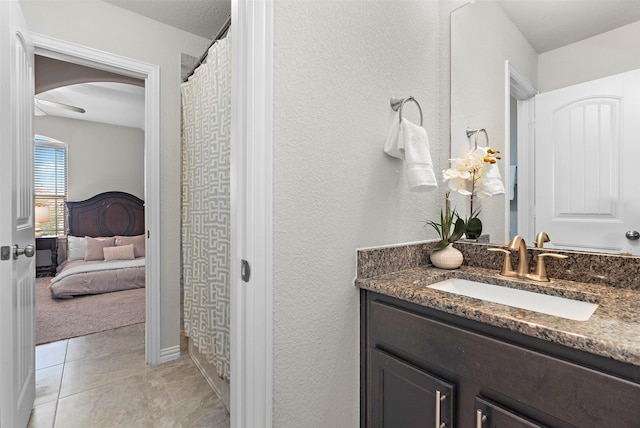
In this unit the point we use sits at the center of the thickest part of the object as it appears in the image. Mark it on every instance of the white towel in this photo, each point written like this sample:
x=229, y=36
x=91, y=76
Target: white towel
x=491, y=182
x=410, y=142
x=513, y=173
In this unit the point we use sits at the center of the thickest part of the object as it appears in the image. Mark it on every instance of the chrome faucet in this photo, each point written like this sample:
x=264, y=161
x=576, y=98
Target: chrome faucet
x=517, y=243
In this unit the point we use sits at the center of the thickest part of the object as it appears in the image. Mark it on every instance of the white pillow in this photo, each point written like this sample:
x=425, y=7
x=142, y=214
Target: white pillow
x=76, y=248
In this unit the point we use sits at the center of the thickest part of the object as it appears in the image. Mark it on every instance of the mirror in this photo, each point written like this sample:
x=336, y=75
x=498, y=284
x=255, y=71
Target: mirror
x=503, y=53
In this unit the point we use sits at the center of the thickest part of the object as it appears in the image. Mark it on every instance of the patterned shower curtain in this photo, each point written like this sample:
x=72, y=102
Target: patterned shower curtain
x=206, y=240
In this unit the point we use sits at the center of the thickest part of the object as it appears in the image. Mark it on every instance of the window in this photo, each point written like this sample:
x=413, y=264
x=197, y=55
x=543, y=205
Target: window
x=50, y=182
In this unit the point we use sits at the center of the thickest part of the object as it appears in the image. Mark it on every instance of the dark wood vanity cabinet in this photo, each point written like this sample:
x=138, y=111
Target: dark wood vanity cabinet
x=419, y=364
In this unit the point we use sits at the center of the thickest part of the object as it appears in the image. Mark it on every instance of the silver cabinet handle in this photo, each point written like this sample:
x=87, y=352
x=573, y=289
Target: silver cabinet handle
x=28, y=251
x=632, y=235
x=480, y=418
x=440, y=397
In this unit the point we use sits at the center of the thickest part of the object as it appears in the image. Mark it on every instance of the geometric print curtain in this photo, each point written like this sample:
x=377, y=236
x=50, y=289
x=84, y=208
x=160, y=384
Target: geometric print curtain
x=206, y=206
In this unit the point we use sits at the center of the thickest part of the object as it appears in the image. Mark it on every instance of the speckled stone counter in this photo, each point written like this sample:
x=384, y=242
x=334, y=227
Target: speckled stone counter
x=613, y=331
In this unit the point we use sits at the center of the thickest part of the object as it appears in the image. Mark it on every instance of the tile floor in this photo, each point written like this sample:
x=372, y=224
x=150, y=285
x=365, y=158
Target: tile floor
x=101, y=380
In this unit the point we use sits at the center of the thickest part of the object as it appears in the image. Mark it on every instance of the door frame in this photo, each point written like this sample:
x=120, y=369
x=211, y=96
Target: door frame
x=150, y=73
x=252, y=213
x=520, y=87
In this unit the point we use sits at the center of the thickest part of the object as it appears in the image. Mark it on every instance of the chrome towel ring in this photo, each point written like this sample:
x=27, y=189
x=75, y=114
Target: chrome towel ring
x=398, y=103
x=477, y=132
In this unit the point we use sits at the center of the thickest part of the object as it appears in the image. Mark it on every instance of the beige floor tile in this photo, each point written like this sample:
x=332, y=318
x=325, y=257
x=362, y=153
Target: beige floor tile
x=124, y=339
x=48, y=384
x=43, y=416
x=202, y=412
x=50, y=354
x=195, y=403
x=81, y=375
x=130, y=402
x=105, y=383
x=184, y=381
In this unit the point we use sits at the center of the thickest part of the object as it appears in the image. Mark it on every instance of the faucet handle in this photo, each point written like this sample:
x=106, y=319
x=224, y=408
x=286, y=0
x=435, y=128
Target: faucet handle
x=554, y=255
x=540, y=273
x=507, y=267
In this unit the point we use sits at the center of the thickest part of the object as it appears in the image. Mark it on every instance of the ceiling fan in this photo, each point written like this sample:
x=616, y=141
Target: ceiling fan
x=54, y=104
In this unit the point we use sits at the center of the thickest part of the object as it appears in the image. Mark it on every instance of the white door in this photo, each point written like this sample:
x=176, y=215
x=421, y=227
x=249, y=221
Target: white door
x=587, y=175
x=17, y=274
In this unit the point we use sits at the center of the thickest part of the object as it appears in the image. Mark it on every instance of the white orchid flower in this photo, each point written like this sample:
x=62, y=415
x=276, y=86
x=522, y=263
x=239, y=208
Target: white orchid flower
x=459, y=185
x=475, y=173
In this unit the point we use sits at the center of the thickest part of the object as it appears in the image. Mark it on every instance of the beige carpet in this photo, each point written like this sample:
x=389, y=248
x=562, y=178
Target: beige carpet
x=82, y=315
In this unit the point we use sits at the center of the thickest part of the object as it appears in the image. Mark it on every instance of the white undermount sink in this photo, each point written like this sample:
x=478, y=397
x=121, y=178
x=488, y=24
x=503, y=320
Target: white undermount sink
x=552, y=305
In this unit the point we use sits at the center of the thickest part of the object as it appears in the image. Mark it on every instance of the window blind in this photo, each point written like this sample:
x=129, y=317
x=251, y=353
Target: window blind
x=50, y=181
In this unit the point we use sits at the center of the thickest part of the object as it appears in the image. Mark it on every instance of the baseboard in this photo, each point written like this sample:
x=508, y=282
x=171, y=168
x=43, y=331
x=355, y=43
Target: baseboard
x=220, y=387
x=169, y=354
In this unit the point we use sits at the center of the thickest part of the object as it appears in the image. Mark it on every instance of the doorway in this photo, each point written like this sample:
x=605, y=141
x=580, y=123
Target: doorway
x=61, y=50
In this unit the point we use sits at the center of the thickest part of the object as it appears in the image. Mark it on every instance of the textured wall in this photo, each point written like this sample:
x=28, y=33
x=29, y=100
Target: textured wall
x=117, y=150
x=599, y=56
x=102, y=26
x=336, y=66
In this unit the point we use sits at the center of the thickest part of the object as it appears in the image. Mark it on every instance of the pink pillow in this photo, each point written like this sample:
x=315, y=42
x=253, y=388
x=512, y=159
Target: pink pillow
x=137, y=241
x=95, y=247
x=123, y=252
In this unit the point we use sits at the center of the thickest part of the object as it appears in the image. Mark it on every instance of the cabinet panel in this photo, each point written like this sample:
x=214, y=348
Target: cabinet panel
x=401, y=395
x=490, y=414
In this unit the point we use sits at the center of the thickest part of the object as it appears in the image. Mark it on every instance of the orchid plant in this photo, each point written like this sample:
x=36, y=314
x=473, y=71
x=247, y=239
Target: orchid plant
x=476, y=173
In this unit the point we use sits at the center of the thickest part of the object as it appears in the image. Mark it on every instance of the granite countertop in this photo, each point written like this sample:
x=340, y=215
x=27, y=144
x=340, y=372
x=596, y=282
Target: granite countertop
x=613, y=331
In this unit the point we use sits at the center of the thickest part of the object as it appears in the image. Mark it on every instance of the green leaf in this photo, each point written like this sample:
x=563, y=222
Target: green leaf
x=458, y=230
x=436, y=226
x=474, y=228
x=440, y=245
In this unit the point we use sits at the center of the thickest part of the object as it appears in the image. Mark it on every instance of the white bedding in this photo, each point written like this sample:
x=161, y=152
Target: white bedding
x=79, y=277
x=110, y=265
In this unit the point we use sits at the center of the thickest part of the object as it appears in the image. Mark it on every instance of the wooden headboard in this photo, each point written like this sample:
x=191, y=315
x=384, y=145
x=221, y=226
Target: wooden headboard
x=106, y=214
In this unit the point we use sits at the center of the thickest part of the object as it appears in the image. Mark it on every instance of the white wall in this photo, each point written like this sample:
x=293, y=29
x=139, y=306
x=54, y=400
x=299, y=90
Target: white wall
x=609, y=53
x=102, y=26
x=101, y=157
x=482, y=38
x=336, y=66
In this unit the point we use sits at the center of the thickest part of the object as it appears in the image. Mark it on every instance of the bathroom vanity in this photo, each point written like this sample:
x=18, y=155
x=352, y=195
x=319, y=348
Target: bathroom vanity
x=432, y=358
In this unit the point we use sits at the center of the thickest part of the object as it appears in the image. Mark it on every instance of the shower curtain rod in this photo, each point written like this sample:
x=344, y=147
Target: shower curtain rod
x=218, y=36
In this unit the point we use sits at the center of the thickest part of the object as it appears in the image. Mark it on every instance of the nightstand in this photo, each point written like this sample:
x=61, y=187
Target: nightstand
x=46, y=256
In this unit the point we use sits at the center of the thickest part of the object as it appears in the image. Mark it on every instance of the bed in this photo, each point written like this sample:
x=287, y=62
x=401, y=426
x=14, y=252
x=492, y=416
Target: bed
x=105, y=246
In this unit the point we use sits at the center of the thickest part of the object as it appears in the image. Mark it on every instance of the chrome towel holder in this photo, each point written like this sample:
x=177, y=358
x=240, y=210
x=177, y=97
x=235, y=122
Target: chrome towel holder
x=398, y=103
x=477, y=132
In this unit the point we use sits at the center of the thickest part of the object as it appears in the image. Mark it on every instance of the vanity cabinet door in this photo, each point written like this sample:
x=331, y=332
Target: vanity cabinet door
x=490, y=414
x=401, y=395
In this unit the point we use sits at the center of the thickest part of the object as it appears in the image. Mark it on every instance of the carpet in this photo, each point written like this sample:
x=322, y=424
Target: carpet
x=82, y=315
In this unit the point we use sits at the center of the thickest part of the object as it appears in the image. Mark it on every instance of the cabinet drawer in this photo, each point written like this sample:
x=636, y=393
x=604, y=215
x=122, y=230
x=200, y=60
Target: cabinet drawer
x=580, y=396
x=490, y=414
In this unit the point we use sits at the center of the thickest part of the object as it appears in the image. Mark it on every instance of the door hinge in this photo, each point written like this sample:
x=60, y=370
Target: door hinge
x=5, y=252
x=245, y=270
